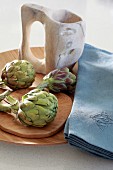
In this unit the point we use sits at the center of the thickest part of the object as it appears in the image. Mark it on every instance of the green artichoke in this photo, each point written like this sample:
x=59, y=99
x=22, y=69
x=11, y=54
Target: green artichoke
x=38, y=108
x=18, y=74
x=59, y=80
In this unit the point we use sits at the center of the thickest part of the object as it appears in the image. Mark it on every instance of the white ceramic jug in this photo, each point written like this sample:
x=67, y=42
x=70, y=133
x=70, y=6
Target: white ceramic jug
x=64, y=37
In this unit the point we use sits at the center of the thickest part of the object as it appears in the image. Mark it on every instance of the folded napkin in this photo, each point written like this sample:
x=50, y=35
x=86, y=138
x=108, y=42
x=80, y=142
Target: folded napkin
x=90, y=123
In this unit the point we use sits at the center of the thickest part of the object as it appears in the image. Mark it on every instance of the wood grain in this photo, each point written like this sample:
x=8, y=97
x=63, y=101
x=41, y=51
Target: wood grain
x=52, y=140
x=57, y=138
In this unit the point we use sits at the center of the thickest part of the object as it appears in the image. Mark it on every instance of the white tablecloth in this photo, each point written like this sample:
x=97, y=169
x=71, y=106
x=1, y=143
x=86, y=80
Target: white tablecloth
x=98, y=15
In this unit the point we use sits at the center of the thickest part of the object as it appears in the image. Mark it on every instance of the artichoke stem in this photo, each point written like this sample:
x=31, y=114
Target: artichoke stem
x=4, y=94
x=44, y=84
x=5, y=108
x=14, y=104
x=2, y=84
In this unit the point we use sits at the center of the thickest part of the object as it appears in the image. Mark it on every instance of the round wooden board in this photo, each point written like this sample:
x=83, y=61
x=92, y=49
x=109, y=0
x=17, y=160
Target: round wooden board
x=57, y=138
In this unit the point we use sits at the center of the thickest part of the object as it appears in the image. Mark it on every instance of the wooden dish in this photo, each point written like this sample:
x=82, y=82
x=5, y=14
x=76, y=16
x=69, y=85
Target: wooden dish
x=19, y=138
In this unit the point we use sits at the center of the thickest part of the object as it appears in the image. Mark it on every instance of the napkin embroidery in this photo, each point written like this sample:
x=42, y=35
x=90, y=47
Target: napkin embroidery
x=102, y=120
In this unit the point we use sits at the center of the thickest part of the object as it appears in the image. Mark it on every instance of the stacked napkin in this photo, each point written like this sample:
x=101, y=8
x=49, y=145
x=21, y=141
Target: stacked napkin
x=90, y=123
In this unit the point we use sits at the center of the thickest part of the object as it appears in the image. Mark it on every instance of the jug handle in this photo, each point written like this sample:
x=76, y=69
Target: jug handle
x=29, y=14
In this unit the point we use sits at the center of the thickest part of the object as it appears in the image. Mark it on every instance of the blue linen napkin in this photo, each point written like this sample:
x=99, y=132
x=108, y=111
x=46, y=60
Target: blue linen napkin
x=90, y=123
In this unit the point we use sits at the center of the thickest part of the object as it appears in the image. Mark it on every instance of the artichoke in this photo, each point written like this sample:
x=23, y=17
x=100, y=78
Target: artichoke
x=18, y=74
x=37, y=108
x=59, y=80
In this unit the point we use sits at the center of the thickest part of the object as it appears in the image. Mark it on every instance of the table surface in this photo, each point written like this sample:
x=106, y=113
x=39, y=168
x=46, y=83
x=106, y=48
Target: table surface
x=98, y=15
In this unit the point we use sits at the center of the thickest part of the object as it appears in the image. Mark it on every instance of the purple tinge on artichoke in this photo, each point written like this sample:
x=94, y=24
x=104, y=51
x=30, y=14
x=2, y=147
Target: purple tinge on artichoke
x=59, y=80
